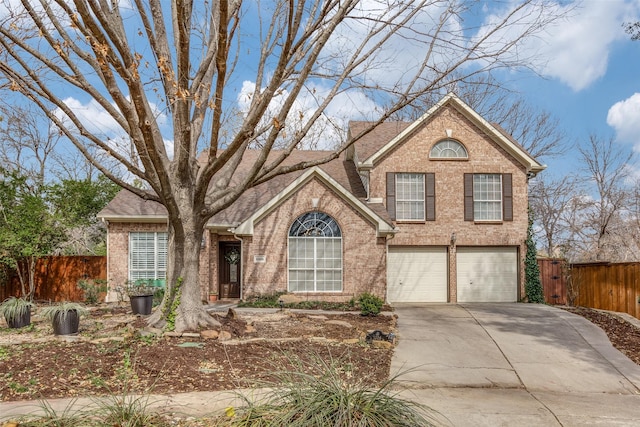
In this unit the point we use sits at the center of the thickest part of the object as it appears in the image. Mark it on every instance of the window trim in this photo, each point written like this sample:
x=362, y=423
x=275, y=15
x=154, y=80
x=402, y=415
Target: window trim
x=506, y=198
x=158, y=273
x=493, y=202
x=432, y=154
x=429, y=194
x=416, y=201
x=335, y=234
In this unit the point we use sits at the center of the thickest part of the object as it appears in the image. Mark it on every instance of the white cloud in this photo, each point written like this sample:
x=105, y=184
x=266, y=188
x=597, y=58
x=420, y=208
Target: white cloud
x=577, y=48
x=329, y=128
x=101, y=124
x=624, y=117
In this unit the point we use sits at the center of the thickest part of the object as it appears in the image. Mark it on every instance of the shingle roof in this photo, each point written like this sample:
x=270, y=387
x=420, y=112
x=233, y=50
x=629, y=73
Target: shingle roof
x=127, y=206
x=377, y=138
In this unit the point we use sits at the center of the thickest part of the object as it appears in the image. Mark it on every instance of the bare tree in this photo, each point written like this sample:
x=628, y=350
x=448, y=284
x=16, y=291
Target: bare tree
x=176, y=62
x=28, y=146
x=606, y=167
x=553, y=202
x=538, y=131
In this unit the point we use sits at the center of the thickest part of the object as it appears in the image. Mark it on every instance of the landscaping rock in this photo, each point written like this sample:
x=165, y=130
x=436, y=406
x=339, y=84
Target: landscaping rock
x=224, y=336
x=210, y=334
x=340, y=323
x=290, y=299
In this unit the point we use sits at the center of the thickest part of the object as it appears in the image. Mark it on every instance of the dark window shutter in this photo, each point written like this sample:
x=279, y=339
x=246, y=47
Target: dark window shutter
x=507, y=197
x=430, y=193
x=391, y=195
x=468, y=197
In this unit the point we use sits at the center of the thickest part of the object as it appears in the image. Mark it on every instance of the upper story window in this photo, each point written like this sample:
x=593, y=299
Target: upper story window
x=488, y=197
x=448, y=149
x=315, y=254
x=411, y=196
x=147, y=255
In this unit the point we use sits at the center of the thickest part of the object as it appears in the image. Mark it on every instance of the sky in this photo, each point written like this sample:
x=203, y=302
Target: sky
x=587, y=73
x=591, y=82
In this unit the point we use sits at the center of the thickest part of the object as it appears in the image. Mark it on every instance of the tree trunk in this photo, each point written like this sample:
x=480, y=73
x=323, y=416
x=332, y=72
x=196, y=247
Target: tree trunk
x=182, y=308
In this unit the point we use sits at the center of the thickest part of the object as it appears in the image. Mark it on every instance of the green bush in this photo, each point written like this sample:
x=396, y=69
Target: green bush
x=370, y=305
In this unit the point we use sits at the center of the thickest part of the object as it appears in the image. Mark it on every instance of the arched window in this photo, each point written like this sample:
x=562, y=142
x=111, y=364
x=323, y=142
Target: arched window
x=448, y=149
x=315, y=254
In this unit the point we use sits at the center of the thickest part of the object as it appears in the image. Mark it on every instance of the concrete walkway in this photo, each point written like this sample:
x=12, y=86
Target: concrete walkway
x=513, y=365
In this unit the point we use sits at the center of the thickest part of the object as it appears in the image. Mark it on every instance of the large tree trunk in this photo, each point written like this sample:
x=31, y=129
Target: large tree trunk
x=182, y=308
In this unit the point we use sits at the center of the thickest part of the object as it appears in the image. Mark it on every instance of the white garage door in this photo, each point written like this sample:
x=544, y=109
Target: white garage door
x=487, y=274
x=417, y=274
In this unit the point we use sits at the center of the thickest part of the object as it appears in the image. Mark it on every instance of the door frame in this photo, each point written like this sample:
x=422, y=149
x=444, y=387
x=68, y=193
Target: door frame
x=223, y=270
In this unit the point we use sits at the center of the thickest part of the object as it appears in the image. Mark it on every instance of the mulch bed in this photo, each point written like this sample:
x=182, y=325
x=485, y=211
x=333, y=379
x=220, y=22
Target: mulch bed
x=110, y=356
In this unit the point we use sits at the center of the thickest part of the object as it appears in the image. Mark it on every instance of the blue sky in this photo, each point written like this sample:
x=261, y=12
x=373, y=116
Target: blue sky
x=587, y=73
x=595, y=86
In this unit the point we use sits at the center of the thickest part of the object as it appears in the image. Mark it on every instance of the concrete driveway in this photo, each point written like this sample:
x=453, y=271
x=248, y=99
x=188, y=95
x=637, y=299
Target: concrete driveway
x=513, y=365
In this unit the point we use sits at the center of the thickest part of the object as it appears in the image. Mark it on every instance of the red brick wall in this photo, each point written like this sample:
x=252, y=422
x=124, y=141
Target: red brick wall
x=118, y=259
x=364, y=256
x=485, y=156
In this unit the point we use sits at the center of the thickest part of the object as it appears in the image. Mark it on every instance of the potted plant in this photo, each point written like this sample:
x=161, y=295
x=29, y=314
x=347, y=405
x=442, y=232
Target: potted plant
x=213, y=296
x=65, y=317
x=16, y=311
x=140, y=295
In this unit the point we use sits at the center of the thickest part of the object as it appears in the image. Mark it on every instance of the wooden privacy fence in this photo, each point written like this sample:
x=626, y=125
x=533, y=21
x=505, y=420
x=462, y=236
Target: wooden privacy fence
x=57, y=277
x=607, y=286
x=603, y=285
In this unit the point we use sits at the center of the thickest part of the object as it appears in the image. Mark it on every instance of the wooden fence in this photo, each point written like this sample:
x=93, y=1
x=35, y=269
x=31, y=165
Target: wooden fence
x=607, y=286
x=57, y=277
x=604, y=285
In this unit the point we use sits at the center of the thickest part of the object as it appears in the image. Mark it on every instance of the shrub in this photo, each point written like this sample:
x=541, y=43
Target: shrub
x=321, y=393
x=92, y=289
x=370, y=305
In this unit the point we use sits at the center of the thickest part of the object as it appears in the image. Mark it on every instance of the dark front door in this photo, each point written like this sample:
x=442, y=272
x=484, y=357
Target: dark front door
x=229, y=271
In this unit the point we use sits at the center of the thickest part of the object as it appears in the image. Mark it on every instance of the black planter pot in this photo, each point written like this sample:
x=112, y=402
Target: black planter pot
x=141, y=304
x=66, y=324
x=24, y=319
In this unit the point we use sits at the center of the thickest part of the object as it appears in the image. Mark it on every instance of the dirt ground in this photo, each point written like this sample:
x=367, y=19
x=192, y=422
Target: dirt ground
x=113, y=353
x=110, y=354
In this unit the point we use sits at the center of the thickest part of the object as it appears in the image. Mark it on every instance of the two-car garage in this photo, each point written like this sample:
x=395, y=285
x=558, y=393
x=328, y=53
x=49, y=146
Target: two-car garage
x=420, y=274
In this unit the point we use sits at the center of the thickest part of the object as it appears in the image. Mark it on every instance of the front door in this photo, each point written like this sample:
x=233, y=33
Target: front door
x=229, y=271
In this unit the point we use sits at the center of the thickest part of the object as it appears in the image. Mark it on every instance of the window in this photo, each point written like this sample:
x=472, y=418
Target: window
x=315, y=254
x=411, y=196
x=488, y=197
x=448, y=149
x=147, y=255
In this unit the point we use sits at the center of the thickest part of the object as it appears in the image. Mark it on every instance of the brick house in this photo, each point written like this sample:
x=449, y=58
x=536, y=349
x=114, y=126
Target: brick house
x=429, y=211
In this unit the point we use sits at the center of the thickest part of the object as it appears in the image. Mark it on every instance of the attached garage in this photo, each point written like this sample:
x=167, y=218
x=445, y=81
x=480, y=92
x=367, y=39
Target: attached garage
x=417, y=274
x=487, y=274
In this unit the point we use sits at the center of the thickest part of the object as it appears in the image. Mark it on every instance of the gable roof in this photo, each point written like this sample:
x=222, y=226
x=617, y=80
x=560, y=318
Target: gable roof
x=383, y=226
x=375, y=145
x=340, y=175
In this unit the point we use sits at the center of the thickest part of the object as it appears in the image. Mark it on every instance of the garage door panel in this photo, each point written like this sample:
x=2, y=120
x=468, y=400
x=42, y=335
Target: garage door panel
x=487, y=274
x=417, y=274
